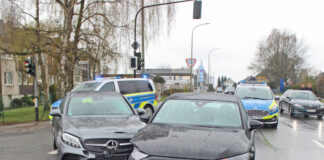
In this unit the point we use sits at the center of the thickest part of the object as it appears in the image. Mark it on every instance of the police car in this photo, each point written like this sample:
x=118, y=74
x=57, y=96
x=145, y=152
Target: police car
x=259, y=102
x=140, y=92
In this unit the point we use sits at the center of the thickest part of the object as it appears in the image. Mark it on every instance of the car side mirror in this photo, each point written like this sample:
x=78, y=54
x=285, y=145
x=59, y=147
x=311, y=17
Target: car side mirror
x=140, y=111
x=289, y=98
x=254, y=124
x=145, y=118
x=55, y=113
x=277, y=98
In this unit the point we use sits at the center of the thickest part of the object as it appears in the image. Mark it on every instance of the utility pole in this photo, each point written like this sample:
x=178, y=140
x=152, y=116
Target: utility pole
x=35, y=87
x=143, y=41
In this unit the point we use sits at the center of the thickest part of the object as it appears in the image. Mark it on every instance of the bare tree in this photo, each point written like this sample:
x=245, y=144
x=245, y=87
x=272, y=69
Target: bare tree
x=281, y=55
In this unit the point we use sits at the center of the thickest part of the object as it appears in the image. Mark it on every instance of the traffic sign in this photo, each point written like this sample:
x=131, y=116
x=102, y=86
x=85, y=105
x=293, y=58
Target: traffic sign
x=191, y=62
x=135, y=45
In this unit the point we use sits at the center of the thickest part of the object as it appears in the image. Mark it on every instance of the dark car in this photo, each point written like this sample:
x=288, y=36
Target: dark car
x=301, y=102
x=219, y=90
x=229, y=90
x=94, y=125
x=197, y=126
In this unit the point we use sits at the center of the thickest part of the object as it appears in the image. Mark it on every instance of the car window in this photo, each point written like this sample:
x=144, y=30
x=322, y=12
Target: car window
x=110, y=86
x=255, y=93
x=89, y=86
x=98, y=105
x=128, y=87
x=199, y=113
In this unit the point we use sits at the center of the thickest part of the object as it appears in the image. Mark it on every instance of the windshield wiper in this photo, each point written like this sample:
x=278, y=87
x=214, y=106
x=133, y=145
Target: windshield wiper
x=254, y=98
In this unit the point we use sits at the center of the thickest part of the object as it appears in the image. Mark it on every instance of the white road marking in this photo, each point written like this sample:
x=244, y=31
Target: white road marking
x=318, y=143
x=52, y=152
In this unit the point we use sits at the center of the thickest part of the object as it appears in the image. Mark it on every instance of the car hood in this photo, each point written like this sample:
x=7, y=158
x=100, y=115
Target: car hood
x=192, y=143
x=256, y=104
x=306, y=102
x=121, y=126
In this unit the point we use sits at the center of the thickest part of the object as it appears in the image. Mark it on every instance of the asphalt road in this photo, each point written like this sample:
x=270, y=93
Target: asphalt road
x=296, y=138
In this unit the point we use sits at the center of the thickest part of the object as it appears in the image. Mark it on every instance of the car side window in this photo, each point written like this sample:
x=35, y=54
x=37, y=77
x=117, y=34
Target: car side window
x=62, y=105
x=127, y=87
x=143, y=86
x=110, y=86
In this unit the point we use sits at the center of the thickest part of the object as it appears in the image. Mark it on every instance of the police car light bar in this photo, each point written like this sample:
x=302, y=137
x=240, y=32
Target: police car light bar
x=253, y=82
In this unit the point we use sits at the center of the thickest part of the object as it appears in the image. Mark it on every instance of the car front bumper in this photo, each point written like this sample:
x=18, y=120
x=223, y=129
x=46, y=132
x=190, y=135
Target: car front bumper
x=67, y=152
x=268, y=120
x=303, y=111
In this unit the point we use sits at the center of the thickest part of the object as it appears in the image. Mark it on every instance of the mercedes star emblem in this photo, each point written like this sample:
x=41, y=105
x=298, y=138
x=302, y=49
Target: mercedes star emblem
x=112, y=145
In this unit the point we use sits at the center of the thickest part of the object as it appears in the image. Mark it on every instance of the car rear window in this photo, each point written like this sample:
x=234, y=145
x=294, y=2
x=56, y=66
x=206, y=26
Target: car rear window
x=89, y=86
x=128, y=87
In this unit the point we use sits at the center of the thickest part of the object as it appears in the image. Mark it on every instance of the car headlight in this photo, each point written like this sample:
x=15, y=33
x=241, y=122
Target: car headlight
x=274, y=108
x=245, y=156
x=71, y=140
x=137, y=155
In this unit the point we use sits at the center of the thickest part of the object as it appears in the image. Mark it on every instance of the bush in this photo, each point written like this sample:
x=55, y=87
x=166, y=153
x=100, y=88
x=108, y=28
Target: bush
x=171, y=91
x=16, y=103
x=27, y=100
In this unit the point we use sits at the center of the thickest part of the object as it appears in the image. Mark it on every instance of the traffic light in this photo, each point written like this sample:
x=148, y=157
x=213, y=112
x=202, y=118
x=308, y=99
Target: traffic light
x=197, y=9
x=133, y=62
x=29, y=67
x=140, y=61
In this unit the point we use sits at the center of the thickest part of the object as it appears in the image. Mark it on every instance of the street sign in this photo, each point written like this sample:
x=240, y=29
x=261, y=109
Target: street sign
x=201, y=73
x=191, y=62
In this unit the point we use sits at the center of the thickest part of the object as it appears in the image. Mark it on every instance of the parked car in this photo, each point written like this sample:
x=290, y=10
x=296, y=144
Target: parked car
x=197, y=126
x=140, y=92
x=219, y=90
x=94, y=125
x=259, y=102
x=302, y=102
x=229, y=90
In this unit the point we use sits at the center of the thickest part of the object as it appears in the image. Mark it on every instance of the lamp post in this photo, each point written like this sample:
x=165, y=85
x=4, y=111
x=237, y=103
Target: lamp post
x=210, y=51
x=193, y=29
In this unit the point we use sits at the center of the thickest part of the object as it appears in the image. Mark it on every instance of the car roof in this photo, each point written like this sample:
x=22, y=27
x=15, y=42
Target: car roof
x=78, y=93
x=205, y=96
x=116, y=79
x=292, y=90
x=254, y=85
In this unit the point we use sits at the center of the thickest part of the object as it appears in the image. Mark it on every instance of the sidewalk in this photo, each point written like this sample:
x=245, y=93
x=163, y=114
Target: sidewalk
x=24, y=127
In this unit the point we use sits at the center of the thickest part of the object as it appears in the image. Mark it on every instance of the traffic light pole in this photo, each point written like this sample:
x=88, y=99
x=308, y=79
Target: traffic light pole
x=135, y=44
x=35, y=87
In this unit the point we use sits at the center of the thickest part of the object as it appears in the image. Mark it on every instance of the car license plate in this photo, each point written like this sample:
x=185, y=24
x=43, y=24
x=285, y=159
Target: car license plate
x=311, y=110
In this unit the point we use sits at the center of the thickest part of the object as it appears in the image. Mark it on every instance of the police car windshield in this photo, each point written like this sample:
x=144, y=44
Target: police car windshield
x=89, y=86
x=263, y=93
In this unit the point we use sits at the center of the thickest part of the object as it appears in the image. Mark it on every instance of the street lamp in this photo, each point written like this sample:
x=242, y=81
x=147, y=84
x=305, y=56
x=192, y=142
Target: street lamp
x=210, y=51
x=193, y=29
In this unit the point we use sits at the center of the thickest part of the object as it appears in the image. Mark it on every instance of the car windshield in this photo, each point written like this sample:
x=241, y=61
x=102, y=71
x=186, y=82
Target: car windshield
x=254, y=93
x=98, y=105
x=200, y=113
x=304, y=96
x=89, y=86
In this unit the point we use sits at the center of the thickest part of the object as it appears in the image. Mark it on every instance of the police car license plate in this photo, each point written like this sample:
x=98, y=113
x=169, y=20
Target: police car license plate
x=311, y=110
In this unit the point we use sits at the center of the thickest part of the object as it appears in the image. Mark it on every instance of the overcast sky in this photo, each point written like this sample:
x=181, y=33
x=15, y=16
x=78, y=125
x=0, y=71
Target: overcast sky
x=236, y=27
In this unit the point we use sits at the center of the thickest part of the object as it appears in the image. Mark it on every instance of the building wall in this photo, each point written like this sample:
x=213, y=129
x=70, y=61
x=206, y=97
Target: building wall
x=9, y=91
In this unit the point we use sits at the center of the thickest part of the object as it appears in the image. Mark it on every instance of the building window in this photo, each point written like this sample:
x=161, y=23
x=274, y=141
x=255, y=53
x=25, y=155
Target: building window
x=8, y=78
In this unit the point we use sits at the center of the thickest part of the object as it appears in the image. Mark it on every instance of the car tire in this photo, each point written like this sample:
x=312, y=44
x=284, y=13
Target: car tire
x=148, y=110
x=319, y=116
x=274, y=125
x=280, y=108
x=290, y=111
x=54, y=143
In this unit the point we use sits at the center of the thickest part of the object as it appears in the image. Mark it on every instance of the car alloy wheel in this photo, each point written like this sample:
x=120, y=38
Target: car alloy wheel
x=148, y=110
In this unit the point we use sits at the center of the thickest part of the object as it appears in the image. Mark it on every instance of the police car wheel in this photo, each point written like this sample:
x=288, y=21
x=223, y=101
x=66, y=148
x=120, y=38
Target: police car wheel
x=148, y=110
